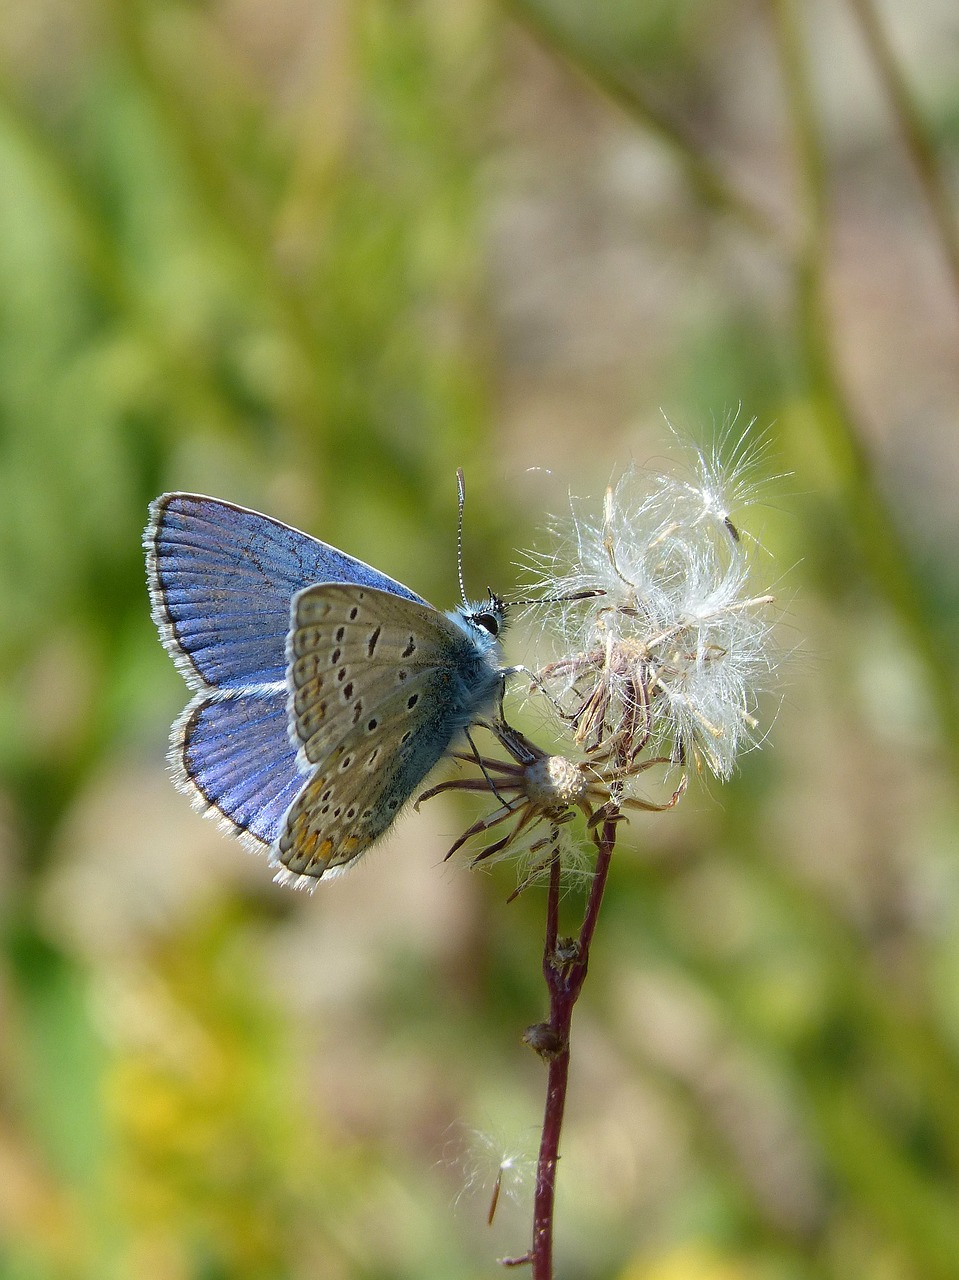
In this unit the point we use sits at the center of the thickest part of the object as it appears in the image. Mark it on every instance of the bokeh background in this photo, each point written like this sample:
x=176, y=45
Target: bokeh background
x=311, y=255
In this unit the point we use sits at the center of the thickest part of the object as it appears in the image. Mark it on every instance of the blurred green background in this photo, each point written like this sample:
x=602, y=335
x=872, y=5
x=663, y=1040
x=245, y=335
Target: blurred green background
x=311, y=257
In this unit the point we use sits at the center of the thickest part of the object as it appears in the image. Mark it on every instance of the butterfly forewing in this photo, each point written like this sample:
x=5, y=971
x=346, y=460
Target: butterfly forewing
x=350, y=649
x=221, y=579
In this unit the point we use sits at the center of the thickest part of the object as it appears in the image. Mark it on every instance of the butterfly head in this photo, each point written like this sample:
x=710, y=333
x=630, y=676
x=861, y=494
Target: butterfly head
x=483, y=620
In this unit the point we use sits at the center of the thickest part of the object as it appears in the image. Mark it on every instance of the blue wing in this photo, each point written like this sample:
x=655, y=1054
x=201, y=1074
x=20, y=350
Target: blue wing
x=232, y=755
x=221, y=580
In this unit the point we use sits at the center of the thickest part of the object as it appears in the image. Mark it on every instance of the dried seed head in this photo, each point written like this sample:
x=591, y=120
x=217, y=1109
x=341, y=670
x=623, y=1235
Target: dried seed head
x=670, y=659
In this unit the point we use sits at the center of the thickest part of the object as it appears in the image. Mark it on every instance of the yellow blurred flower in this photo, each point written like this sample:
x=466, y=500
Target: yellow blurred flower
x=690, y=1262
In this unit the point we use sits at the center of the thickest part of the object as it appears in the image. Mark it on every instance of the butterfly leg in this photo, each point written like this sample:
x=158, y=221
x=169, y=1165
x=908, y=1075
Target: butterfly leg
x=479, y=760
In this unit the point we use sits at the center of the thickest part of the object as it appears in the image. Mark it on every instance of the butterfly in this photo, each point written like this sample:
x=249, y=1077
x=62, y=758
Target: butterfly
x=323, y=690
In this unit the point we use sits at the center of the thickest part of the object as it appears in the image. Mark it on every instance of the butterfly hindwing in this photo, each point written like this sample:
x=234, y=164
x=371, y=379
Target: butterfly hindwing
x=221, y=579
x=378, y=688
x=356, y=792
x=231, y=753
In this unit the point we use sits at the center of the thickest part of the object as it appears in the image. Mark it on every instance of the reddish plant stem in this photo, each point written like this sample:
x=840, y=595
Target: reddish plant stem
x=564, y=981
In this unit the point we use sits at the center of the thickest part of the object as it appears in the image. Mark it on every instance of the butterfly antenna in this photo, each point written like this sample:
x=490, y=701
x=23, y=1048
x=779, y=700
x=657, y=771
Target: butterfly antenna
x=461, y=502
x=570, y=599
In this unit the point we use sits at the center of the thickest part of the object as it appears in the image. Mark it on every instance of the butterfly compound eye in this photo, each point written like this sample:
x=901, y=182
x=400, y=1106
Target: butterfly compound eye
x=488, y=621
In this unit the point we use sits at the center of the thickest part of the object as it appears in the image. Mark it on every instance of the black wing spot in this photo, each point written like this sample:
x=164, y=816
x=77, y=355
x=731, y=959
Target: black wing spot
x=412, y=700
x=410, y=649
x=335, y=656
x=340, y=633
x=371, y=643
x=348, y=691
x=371, y=725
x=353, y=613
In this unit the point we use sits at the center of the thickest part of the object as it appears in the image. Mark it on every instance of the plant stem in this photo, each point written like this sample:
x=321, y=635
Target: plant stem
x=541, y=1254
x=564, y=981
x=881, y=544
x=921, y=150
x=705, y=176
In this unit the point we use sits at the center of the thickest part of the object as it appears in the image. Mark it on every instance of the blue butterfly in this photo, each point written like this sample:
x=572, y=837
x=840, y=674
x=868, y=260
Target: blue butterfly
x=324, y=691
